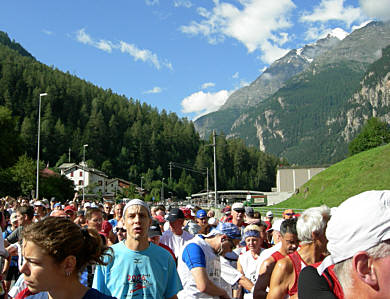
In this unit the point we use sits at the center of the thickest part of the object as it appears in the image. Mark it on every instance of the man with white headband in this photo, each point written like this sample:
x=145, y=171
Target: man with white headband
x=359, y=250
x=138, y=269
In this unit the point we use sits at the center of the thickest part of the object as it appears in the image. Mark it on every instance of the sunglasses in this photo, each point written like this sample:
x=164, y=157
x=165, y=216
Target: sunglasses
x=290, y=214
x=121, y=230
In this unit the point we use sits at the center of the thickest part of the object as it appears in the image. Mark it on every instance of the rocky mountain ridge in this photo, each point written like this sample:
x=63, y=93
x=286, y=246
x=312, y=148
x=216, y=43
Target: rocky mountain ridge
x=309, y=120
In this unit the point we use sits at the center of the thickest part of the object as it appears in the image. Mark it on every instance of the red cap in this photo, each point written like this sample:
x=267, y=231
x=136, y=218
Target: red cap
x=187, y=213
x=70, y=208
x=106, y=228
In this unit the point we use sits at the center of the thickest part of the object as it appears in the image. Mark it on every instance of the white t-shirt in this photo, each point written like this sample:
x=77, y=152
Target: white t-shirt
x=249, y=266
x=175, y=242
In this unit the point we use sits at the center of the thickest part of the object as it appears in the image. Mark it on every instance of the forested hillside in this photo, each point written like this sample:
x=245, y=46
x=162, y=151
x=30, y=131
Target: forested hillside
x=126, y=138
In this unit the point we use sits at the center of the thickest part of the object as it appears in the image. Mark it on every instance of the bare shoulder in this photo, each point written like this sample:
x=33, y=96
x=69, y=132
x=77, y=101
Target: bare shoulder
x=285, y=264
x=269, y=261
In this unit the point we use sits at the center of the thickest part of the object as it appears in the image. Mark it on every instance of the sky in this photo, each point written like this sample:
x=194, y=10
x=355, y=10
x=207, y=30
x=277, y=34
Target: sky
x=184, y=56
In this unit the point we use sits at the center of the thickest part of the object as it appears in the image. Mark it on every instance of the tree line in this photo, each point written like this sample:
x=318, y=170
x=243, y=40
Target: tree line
x=126, y=138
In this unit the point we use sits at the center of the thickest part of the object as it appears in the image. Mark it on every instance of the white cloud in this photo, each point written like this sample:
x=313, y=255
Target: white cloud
x=271, y=52
x=47, y=32
x=183, y=3
x=244, y=83
x=379, y=9
x=318, y=32
x=329, y=10
x=254, y=23
x=202, y=103
x=104, y=45
x=140, y=54
x=152, y=2
x=236, y=75
x=84, y=38
x=207, y=85
x=155, y=89
x=143, y=55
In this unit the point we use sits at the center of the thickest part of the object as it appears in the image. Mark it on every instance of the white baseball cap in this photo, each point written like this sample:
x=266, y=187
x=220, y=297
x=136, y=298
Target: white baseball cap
x=238, y=206
x=349, y=232
x=269, y=214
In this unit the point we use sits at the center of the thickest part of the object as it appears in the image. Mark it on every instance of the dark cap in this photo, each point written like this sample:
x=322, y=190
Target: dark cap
x=249, y=211
x=175, y=214
x=154, y=229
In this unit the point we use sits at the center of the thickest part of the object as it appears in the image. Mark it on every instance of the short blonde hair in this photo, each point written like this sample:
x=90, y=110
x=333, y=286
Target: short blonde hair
x=252, y=227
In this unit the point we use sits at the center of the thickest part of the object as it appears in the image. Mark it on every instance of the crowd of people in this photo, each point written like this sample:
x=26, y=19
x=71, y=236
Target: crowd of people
x=84, y=249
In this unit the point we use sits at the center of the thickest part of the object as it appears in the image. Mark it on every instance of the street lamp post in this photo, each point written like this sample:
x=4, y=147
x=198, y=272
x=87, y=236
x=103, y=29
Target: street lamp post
x=141, y=181
x=84, y=146
x=39, y=137
x=162, y=192
x=215, y=169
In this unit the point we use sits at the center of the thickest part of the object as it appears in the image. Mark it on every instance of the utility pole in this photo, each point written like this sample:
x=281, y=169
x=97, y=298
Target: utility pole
x=85, y=167
x=162, y=192
x=69, y=155
x=170, y=170
x=207, y=183
x=215, y=169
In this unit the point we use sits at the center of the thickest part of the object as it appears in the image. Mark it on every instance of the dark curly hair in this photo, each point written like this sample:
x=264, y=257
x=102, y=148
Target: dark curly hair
x=59, y=237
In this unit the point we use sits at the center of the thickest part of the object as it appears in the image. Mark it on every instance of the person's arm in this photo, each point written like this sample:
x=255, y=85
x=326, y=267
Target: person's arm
x=7, y=262
x=281, y=277
x=12, y=238
x=245, y=283
x=263, y=280
x=3, y=252
x=205, y=285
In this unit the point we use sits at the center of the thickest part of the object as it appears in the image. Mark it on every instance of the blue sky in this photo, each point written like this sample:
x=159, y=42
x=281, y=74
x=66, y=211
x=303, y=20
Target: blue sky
x=184, y=56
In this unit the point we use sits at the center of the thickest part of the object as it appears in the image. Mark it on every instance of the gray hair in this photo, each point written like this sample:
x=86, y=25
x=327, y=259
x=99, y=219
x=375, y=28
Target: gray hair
x=312, y=220
x=343, y=269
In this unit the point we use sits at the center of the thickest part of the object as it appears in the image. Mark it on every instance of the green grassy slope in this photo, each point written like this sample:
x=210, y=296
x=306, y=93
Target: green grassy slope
x=369, y=170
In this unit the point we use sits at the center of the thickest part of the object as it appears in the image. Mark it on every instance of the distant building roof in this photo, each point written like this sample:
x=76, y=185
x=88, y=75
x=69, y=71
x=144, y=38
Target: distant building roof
x=85, y=168
x=66, y=165
x=118, y=179
x=48, y=172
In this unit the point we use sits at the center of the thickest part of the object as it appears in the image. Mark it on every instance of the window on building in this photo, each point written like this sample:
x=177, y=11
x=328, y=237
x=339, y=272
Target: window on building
x=71, y=174
x=100, y=183
x=81, y=182
x=81, y=173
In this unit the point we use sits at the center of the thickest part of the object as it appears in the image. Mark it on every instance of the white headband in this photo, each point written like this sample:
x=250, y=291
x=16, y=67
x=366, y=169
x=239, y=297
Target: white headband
x=135, y=202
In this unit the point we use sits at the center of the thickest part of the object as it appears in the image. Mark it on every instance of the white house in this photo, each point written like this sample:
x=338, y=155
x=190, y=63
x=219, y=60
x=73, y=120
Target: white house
x=94, y=181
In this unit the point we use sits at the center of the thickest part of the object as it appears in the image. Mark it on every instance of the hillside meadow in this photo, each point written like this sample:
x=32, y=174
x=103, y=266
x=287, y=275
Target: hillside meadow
x=369, y=170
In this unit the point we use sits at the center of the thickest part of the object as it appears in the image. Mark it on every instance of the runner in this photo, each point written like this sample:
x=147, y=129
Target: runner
x=359, y=250
x=139, y=268
x=311, y=233
x=175, y=237
x=55, y=251
x=199, y=264
x=247, y=262
x=289, y=243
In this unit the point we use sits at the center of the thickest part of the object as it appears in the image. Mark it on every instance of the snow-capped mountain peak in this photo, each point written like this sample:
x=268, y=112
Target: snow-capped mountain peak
x=339, y=33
